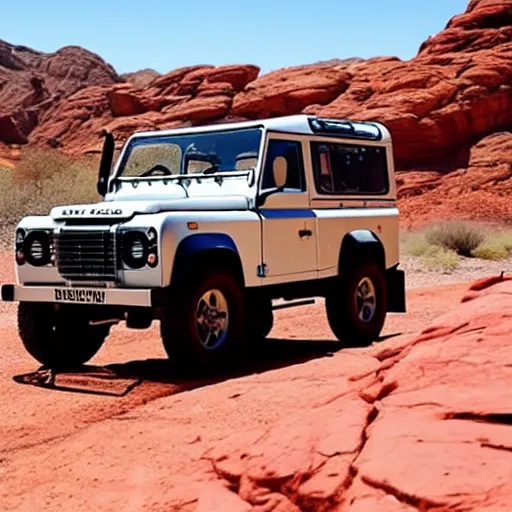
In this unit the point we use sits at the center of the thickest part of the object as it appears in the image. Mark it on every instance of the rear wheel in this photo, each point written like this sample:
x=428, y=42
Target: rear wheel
x=356, y=306
x=59, y=336
x=204, y=323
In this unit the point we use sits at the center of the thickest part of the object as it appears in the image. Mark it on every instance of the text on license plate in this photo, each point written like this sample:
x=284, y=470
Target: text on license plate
x=82, y=296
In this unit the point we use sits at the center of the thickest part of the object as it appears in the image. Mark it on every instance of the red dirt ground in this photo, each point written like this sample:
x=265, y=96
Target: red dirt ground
x=306, y=427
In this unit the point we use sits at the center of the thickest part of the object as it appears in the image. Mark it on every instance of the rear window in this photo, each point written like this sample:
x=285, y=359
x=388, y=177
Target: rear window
x=349, y=169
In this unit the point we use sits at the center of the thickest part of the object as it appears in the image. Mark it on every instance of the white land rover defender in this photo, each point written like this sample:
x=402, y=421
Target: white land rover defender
x=204, y=228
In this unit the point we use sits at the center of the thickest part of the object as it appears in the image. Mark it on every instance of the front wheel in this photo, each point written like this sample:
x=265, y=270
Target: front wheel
x=58, y=337
x=204, y=324
x=356, y=306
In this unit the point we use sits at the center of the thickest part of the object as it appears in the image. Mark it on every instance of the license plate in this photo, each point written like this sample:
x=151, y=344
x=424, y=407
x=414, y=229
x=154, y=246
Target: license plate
x=82, y=296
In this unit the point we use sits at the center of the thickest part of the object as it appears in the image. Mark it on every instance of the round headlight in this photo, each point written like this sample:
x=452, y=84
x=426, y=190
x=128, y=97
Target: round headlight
x=36, y=248
x=135, y=249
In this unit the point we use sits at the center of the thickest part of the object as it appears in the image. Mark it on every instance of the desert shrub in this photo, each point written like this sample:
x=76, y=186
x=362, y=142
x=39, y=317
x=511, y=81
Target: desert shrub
x=44, y=179
x=460, y=237
x=437, y=257
x=414, y=244
x=488, y=251
x=497, y=246
x=431, y=256
x=504, y=239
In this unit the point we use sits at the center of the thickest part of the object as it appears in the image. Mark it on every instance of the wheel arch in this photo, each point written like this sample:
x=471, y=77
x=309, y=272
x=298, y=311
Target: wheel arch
x=212, y=249
x=358, y=244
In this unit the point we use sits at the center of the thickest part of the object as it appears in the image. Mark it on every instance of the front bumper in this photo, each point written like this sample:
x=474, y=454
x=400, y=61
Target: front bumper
x=82, y=295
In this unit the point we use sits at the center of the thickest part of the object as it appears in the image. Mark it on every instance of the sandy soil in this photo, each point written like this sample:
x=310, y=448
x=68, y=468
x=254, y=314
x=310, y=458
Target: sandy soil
x=45, y=430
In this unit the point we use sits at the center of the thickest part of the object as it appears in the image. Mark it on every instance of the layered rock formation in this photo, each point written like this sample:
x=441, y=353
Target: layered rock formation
x=453, y=94
x=412, y=423
x=480, y=190
x=411, y=427
x=456, y=91
x=31, y=81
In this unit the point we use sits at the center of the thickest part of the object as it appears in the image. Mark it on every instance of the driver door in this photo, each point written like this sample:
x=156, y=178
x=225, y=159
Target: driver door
x=289, y=224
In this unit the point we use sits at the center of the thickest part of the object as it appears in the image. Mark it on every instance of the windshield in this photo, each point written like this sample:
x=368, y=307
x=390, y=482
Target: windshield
x=191, y=153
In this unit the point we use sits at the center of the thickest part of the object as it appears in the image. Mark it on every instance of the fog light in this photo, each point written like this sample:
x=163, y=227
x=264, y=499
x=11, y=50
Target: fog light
x=20, y=257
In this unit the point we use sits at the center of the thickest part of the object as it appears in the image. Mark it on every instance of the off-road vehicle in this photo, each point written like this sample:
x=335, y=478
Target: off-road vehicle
x=208, y=230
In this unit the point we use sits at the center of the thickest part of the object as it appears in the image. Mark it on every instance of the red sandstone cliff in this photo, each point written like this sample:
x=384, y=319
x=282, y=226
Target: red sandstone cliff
x=454, y=93
x=31, y=81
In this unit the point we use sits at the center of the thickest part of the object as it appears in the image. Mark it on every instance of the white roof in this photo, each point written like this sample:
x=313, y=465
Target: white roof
x=298, y=123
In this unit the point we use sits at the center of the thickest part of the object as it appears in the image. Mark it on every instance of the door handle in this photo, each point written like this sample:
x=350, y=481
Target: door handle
x=305, y=232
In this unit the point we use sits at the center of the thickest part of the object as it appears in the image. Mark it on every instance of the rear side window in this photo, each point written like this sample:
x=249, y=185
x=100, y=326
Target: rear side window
x=349, y=169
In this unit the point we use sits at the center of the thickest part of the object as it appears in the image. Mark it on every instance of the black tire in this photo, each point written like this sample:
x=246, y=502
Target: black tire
x=179, y=329
x=343, y=312
x=260, y=317
x=59, y=339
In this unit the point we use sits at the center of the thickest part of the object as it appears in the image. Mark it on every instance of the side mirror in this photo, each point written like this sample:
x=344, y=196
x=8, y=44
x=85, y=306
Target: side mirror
x=280, y=169
x=107, y=155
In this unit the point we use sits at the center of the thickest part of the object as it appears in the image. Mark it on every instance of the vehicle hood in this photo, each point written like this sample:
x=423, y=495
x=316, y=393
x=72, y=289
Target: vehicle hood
x=116, y=210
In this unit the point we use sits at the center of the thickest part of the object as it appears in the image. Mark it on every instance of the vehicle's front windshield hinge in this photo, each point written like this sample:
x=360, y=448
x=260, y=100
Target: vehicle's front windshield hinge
x=262, y=270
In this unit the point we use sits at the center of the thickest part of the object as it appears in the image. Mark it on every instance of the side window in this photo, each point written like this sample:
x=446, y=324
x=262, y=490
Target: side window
x=349, y=169
x=292, y=151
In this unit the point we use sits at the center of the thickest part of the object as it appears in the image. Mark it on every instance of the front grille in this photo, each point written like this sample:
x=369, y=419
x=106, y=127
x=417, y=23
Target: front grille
x=83, y=255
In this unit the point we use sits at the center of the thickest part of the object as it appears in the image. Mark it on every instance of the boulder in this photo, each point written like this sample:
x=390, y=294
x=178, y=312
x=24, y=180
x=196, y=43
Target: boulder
x=289, y=91
x=34, y=81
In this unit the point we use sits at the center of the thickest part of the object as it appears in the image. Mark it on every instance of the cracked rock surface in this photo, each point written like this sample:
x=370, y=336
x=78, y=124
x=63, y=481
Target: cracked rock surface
x=421, y=420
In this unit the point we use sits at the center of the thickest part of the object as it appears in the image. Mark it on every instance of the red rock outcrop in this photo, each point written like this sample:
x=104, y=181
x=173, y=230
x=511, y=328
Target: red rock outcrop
x=31, y=81
x=141, y=78
x=419, y=422
x=454, y=93
x=198, y=94
x=479, y=191
x=413, y=433
x=457, y=90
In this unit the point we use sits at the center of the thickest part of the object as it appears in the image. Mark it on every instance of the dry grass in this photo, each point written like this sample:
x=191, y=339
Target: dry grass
x=439, y=258
x=432, y=256
x=440, y=246
x=497, y=246
x=44, y=179
x=458, y=236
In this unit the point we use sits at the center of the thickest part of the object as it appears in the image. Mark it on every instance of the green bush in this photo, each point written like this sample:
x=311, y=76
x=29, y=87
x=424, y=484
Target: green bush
x=458, y=236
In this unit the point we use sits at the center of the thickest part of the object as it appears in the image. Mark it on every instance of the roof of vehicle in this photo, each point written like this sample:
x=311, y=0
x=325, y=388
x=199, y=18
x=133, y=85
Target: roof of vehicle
x=300, y=124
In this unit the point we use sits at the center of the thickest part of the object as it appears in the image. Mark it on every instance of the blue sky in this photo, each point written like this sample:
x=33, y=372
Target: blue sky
x=166, y=34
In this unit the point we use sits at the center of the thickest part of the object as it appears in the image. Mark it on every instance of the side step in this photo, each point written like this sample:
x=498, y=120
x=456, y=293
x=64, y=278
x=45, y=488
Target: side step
x=293, y=304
